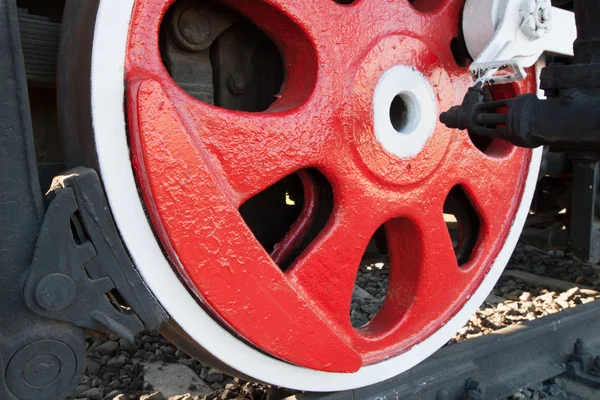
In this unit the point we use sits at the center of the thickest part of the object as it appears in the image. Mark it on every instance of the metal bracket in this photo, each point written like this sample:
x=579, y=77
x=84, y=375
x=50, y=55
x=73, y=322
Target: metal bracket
x=498, y=72
x=584, y=229
x=492, y=366
x=81, y=272
x=501, y=33
x=40, y=358
x=582, y=366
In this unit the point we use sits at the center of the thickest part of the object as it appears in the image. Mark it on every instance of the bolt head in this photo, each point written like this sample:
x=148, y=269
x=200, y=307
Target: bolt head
x=194, y=27
x=190, y=29
x=55, y=292
x=236, y=84
x=442, y=394
x=41, y=370
x=536, y=18
x=45, y=368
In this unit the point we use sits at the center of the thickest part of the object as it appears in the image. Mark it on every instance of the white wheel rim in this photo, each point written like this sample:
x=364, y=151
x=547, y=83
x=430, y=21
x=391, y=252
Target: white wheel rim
x=108, y=59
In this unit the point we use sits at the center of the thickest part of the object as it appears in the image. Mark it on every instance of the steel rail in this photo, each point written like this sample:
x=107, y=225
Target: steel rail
x=493, y=366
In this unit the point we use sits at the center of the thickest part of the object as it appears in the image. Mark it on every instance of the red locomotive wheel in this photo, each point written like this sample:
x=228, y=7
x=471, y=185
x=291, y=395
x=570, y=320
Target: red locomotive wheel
x=364, y=85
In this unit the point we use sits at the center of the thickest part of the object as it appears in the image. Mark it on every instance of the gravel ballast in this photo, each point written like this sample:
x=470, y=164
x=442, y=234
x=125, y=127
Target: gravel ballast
x=115, y=369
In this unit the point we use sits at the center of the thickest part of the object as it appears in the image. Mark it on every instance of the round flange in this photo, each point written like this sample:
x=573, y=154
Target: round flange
x=384, y=75
x=191, y=159
x=190, y=29
x=41, y=369
x=405, y=111
x=55, y=292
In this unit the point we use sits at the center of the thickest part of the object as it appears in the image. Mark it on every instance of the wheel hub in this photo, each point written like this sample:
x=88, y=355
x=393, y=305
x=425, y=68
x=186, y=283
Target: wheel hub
x=392, y=165
x=405, y=129
x=407, y=83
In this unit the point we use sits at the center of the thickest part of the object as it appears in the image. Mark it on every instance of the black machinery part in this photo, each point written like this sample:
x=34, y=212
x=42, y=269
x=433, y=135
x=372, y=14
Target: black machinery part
x=61, y=269
x=81, y=272
x=39, y=358
x=497, y=365
x=568, y=121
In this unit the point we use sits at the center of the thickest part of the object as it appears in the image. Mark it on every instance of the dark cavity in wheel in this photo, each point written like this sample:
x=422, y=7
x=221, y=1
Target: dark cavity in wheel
x=219, y=57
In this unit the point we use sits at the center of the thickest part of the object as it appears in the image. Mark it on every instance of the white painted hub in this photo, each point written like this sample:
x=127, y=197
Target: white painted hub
x=404, y=111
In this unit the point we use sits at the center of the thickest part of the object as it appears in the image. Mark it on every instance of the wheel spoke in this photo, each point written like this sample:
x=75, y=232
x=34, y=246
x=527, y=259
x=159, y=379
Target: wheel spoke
x=424, y=278
x=441, y=285
x=326, y=272
x=439, y=269
x=312, y=16
x=421, y=253
x=480, y=176
x=248, y=152
x=443, y=23
x=180, y=184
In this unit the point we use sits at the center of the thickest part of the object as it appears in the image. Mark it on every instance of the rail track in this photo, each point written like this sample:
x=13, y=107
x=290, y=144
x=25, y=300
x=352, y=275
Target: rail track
x=521, y=336
x=493, y=366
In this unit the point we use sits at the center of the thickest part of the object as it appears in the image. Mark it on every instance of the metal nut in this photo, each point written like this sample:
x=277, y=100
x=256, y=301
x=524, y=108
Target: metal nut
x=190, y=29
x=236, y=84
x=55, y=292
x=194, y=27
x=42, y=369
x=536, y=18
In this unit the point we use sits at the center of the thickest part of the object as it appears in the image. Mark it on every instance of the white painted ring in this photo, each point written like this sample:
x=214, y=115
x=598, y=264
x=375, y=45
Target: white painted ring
x=108, y=59
x=407, y=134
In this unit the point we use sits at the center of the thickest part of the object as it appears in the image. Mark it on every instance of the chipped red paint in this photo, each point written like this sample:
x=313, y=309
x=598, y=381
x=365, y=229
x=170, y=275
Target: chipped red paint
x=196, y=164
